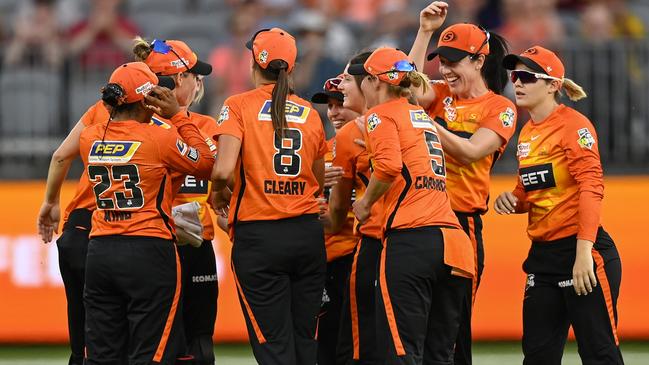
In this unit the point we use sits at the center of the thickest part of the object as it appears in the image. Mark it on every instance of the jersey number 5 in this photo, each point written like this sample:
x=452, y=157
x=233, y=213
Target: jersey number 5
x=130, y=197
x=436, y=153
x=286, y=161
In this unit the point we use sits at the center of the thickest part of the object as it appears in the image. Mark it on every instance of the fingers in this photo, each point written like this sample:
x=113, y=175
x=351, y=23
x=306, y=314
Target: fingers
x=332, y=175
x=593, y=278
x=503, y=205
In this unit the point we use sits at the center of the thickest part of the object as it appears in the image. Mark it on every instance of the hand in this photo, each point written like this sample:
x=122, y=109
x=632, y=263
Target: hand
x=333, y=174
x=506, y=203
x=361, y=210
x=583, y=273
x=48, y=221
x=220, y=202
x=433, y=16
x=162, y=101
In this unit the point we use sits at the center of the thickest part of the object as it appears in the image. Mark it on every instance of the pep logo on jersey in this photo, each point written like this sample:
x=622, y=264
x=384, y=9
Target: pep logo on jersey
x=159, y=123
x=420, y=119
x=537, y=177
x=295, y=113
x=112, y=151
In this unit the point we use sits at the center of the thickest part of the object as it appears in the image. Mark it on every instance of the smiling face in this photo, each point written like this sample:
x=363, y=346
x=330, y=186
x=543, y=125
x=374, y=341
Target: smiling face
x=534, y=93
x=353, y=97
x=461, y=76
x=338, y=114
x=370, y=86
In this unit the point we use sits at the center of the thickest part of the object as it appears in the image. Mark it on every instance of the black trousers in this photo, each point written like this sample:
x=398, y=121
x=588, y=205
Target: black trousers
x=200, y=293
x=131, y=296
x=420, y=300
x=333, y=300
x=73, y=247
x=280, y=269
x=357, y=339
x=472, y=225
x=551, y=305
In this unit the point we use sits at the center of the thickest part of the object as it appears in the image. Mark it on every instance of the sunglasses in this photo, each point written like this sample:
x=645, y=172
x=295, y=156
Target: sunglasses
x=401, y=66
x=528, y=77
x=332, y=84
x=162, y=47
x=484, y=43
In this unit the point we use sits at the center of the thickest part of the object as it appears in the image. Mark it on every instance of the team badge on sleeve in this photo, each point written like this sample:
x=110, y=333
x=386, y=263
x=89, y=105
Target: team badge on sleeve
x=507, y=118
x=181, y=146
x=373, y=121
x=586, y=139
x=223, y=115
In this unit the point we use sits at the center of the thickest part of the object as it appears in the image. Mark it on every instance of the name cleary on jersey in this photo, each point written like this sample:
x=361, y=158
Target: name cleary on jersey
x=279, y=187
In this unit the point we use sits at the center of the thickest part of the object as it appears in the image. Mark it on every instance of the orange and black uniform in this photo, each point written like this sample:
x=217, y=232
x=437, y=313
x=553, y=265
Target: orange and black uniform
x=468, y=185
x=340, y=249
x=278, y=252
x=357, y=342
x=200, y=282
x=73, y=247
x=427, y=261
x=133, y=279
x=561, y=185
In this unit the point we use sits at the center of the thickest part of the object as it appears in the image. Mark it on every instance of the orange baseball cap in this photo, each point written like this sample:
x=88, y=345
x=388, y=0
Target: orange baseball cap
x=388, y=64
x=137, y=80
x=539, y=59
x=461, y=40
x=268, y=45
x=169, y=57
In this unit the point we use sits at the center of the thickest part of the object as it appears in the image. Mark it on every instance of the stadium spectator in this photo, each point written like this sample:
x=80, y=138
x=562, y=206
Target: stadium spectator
x=532, y=22
x=231, y=60
x=36, y=37
x=103, y=40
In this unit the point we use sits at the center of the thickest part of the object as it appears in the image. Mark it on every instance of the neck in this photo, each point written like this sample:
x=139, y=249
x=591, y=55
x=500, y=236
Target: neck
x=138, y=115
x=475, y=91
x=382, y=96
x=541, y=111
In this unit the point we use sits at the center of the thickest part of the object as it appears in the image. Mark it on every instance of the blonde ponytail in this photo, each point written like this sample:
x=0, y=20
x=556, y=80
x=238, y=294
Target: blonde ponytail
x=412, y=79
x=573, y=91
x=419, y=79
x=141, y=49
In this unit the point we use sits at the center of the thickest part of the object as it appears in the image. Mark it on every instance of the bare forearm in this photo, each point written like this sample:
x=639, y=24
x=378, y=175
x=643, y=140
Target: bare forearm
x=375, y=190
x=59, y=168
x=419, y=47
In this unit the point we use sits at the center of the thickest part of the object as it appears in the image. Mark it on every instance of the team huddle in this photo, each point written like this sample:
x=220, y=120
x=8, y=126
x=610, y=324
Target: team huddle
x=362, y=246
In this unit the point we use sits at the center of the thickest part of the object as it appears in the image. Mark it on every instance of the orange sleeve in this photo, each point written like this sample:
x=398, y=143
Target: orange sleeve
x=384, y=144
x=501, y=119
x=230, y=121
x=191, y=157
x=322, y=148
x=344, y=154
x=580, y=145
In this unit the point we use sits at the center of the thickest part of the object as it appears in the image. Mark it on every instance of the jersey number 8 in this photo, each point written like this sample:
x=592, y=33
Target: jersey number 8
x=286, y=161
x=437, y=154
x=103, y=178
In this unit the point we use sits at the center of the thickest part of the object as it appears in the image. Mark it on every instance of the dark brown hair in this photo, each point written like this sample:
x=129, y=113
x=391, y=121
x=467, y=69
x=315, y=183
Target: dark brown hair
x=277, y=71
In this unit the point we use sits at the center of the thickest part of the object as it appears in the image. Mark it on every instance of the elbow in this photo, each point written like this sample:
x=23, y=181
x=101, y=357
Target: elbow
x=220, y=176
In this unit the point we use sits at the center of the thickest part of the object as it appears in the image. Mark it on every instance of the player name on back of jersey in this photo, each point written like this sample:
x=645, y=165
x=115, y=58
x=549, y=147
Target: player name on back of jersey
x=430, y=183
x=280, y=187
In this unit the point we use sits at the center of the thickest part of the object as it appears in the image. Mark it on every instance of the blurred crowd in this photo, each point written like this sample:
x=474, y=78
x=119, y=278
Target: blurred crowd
x=75, y=44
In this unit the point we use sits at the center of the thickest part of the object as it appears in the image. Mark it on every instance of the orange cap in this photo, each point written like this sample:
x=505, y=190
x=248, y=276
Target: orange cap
x=171, y=57
x=388, y=64
x=137, y=80
x=538, y=59
x=268, y=45
x=461, y=40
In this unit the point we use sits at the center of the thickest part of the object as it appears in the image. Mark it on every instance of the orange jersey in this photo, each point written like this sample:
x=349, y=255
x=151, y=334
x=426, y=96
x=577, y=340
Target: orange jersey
x=130, y=173
x=355, y=162
x=84, y=197
x=405, y=150
x=195, y=189
x=273, y=175
x=468, y=185
x=560, y=176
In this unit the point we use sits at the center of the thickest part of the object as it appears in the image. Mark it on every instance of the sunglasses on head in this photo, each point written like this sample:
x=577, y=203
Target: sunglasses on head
x=401, y=66
x=332, y=84
x=162, y=47
x=484, y=43
x=528, y=77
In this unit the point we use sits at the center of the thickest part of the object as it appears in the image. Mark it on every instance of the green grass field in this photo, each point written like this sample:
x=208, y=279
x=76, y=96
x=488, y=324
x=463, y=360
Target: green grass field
x=485, y=353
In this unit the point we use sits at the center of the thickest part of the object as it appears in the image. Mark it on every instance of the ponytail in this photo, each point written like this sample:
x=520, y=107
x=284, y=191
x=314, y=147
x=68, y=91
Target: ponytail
x=141, y=49
x=493, y=72
x=573, y=90
x=277, y=71
x=412, y=79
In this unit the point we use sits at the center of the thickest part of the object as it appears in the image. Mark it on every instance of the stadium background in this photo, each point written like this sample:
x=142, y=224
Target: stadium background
x=55, y=55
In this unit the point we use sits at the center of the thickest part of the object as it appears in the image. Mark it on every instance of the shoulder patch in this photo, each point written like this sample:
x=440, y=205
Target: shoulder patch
x=181, y=146
x=586, y=139
x=223, y=115
x=420, y=119
x=112, y=151
x=193, y=154
x=507, y=118
x=373, y=121
x=295, y=113
x=160, y=123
